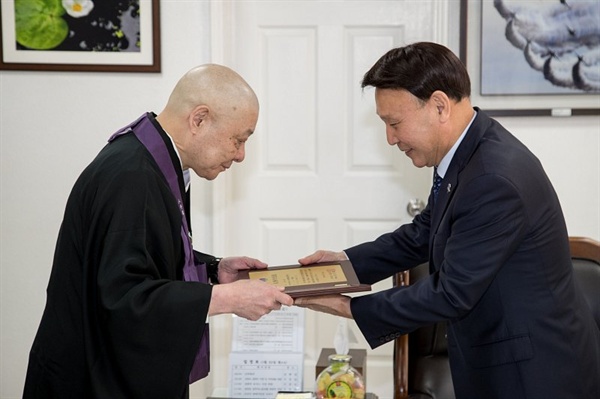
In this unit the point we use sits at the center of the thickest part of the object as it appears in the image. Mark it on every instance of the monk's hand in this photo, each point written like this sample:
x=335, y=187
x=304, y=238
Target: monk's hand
x=229, y=267
x=336, y=304
x=323, y=256
x=250, y=299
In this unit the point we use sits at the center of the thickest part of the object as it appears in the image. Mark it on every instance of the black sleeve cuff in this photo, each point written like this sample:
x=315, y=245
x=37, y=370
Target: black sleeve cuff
x=212, y=270
x=212, y=265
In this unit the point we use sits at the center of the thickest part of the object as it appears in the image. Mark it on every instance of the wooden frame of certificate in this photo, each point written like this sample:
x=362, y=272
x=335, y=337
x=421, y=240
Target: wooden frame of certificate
x=310, y=280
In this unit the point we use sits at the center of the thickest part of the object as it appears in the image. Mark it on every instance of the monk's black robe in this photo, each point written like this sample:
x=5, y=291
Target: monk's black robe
x=119, y=321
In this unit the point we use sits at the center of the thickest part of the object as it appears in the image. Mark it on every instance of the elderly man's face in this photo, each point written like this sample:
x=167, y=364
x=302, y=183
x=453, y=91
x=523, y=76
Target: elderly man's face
x=410, y=125
x=222, y=143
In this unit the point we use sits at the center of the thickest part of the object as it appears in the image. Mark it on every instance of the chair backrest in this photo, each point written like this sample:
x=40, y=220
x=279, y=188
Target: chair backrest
x=401, y=349
x=421, y=362
x=585, y=254
x=421, y=366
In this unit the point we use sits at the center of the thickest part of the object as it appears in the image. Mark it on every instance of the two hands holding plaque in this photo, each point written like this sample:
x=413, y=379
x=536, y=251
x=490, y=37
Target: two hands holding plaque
x=317, y=282
x=315, y=279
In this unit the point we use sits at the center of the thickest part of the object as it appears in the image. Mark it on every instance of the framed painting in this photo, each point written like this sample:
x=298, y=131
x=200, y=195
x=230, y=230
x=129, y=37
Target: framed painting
x=80, y=35
x=532, y=57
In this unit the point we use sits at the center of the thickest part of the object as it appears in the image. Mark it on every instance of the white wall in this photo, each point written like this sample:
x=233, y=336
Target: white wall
x=53, y=123
x=569, y=149
x=51, y=126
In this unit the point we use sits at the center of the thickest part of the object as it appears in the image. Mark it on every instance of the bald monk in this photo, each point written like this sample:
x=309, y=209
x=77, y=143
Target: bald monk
x=128, y=299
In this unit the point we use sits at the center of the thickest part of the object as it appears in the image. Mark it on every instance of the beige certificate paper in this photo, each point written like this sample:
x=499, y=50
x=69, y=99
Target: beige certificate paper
x=316, y=279
x=302, y=275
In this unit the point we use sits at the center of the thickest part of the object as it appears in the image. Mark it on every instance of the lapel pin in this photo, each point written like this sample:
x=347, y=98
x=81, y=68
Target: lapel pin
x=449, y=187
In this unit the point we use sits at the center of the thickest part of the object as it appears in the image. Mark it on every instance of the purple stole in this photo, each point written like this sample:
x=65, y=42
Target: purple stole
x=149, y=136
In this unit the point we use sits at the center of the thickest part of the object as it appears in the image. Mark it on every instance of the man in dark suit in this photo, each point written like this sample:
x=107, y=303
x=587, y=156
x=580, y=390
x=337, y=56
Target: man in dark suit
x=494, y=236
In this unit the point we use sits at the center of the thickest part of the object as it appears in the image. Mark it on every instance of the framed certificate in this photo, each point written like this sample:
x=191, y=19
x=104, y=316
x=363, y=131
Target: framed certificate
x=311, y=280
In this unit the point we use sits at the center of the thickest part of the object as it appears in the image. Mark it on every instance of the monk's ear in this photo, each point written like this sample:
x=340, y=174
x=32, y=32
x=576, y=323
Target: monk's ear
x=198, y=116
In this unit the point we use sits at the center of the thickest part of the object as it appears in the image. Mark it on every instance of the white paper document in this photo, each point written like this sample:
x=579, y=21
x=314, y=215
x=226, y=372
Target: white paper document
x=262, y=375
x=278, y=331
x=267, y=355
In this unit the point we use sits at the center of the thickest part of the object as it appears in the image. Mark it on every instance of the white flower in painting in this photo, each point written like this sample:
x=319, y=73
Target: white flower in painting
x=78, y=8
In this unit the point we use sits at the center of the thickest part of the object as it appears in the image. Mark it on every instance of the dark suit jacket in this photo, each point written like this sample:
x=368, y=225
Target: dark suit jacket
x=501, y=276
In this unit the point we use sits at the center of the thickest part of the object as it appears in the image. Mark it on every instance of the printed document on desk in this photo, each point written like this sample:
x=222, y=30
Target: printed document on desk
x=279, y=331
x=267, y=355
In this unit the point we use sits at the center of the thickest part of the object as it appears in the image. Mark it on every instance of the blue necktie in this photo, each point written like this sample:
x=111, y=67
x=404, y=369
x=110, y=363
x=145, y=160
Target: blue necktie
x=437, y=183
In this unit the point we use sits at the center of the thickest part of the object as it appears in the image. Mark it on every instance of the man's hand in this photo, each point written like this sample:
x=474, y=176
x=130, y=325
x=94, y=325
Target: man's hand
x=323, y=256
x=229, y=267
x=336, y=304
x=250, y=299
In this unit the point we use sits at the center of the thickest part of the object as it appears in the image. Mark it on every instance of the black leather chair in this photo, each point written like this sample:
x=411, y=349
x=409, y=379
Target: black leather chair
x=585, y=253
x=421, y=368
x=421, y=357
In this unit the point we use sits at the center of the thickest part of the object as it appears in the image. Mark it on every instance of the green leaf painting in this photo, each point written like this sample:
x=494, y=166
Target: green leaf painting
x=77, y=25
x=39, y=23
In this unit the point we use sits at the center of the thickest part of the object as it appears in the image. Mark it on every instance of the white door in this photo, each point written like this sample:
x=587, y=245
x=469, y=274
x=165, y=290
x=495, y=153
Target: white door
x=318, y=171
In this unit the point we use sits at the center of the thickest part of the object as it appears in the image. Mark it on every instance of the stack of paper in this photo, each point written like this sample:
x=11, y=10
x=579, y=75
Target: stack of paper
x=267, y=355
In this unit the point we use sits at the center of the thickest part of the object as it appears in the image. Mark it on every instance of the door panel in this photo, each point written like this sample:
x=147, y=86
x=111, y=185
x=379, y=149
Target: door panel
x=318, y=171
